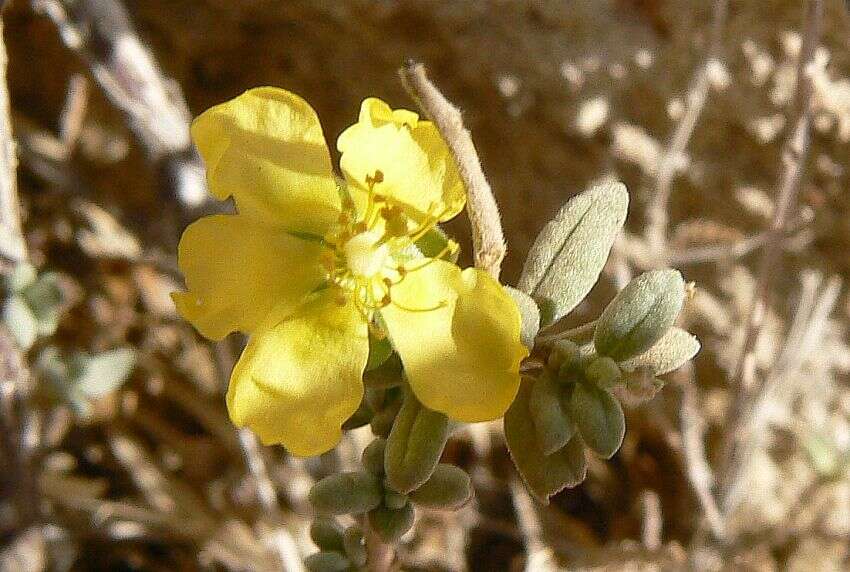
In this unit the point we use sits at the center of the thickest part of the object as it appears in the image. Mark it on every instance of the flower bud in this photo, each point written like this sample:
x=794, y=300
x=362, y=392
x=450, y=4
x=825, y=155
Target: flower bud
x=326, y=534
x=552, y=425
x=415, y=444
x=604, y=372
x=346, y=493
x=564, y=354
x=391, y=524
x=393, y=499
x=640, y=314
x=327, y=562
x=373, y=457
x=355, y=545
x=448, y=488
x=599, y=419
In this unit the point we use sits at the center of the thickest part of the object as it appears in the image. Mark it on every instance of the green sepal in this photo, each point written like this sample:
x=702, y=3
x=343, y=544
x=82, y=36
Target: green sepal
x=544, y=475
x=448, y=488
x=373, y=457
x=552, y=424
x=355, y=545
x=667, y=354
x=530, y=315
x=346, y=493
x=599, y=419
x=393, y=499
x=391, y=524
x=326, y=533
x=415, y=444
x=640, y=314
x=327, y=561
x=379, y=350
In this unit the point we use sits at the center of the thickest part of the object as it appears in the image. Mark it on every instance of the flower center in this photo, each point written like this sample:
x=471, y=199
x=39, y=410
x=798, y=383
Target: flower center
x=365, y=255
x=369, y=251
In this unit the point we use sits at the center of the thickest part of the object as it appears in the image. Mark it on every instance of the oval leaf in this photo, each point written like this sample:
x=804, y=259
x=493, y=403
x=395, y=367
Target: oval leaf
x=544, y=475
x=565, y=261
x=668, y=354
x=640, y=314
x=553, y=425
x=599, y=418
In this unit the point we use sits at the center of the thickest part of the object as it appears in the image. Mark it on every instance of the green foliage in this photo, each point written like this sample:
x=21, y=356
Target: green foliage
x=327, y=561
x=530, y=315
x=669, y=353
x=415, y=444
x=346, y=493
x=545, y=475
x=599, y=418
x=83, y=378
x=373, y=457
x=640, y=314
x=552, y=423
x=448, y=488
x=355, y=545
x=569, y=253
x=32, y=304
x=326, y=533
x=391, y=524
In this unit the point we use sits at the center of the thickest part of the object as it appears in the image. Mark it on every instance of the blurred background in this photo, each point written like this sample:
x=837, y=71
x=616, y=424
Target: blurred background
x=117, y=450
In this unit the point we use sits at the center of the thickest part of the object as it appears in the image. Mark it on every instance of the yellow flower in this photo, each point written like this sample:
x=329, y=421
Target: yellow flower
x=309, y=266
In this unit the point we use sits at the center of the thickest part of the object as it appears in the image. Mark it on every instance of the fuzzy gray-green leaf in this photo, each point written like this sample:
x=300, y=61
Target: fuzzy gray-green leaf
x=544, y=475
x=565, y=261
x=599, y=418
x=448, y=488
x=640, y=314
x=346, y=493
x=669, y=353
x=391, y=524
x=530, y=316
x=553, y=425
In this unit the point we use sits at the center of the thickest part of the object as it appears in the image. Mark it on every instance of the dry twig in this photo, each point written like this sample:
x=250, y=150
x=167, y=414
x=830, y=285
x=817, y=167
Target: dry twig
x=488, y=240
x=794, y=154
x=101, y=34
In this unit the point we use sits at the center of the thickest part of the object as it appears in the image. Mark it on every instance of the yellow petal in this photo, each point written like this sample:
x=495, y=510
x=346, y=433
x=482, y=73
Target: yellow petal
x=267, y=150
x=300, y=377
x=238, y=269
x=418, y=170
x=463, y=358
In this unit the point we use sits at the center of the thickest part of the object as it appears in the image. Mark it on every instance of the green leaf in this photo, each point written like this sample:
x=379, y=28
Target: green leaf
x=391, y=524
x=346, y=493
x=326, y=533
x=569, y=253
x=599, y=418
x=99, y=374
x=669, y=353
x=327, y=562
x=44, y=295
x=530, y=316
x=22, y=275
x=415, y=444
x=22, y=323
x=448, y=488
x=373, y=457
x=640, y=314
x=553, y=425
x=544, y=475
x=355, y=545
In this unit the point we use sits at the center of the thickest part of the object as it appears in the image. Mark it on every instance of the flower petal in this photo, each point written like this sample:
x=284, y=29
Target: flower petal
x=463, y=358
x=237, y=270
x=418, y=169
x=300, y=378
x=266, y=149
